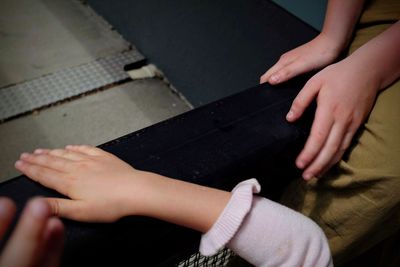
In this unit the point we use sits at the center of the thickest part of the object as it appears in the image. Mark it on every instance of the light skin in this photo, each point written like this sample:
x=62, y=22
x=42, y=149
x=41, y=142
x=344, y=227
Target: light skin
x=102, y=188
x=87, y=174
x=37, y=239
x=345, y=91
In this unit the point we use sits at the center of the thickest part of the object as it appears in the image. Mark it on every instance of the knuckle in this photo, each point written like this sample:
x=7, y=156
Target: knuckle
x=318, y=137
x=42, y=159
x=55, y=206
x=54, y=152
x=331, y=149
x=317, y=169
x=357, y=121
x=58, y=152
x=343, y=149
x=336, y=159
x=297, y=104
x=347, y=121
x=85, y=164
x=311, y=83
x=32, y=171
x=284, y=56
x=285, y=72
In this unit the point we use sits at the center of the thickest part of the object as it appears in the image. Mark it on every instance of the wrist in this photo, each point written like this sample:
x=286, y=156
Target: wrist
x=355, y=67
x=333, y=45
x=186, y=204
x=363, y=66
x=140, y=194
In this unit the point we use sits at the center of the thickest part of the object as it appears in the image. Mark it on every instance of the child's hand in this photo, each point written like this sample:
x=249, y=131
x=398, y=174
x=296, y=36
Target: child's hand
x=345, y=94
x=315, y=54
x=98, y=183
x=103, y=188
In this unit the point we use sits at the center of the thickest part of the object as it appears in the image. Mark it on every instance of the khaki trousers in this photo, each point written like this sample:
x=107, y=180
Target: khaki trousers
x=357, y=203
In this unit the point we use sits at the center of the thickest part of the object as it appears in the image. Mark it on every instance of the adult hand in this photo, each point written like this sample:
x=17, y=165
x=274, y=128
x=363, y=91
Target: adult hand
x=345, y=94
x=37, y=239
x=313, y=55
x=100, y=185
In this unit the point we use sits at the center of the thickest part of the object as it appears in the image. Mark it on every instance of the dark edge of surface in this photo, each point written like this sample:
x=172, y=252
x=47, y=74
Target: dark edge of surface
x=218, y=145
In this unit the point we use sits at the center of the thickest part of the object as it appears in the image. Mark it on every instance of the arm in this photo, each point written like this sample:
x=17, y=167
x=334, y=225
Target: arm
x=266, y=233
x=380, y=57
x=273, y=235
x=73, y=172
x=345, y=94
x=102, y=188
x=340, y=20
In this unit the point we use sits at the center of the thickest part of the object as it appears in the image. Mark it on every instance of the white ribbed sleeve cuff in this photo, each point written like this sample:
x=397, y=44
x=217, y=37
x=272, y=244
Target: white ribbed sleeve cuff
x=230, y=219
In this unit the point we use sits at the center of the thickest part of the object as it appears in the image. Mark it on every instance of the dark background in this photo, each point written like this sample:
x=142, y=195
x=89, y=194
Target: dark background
x=208, y=49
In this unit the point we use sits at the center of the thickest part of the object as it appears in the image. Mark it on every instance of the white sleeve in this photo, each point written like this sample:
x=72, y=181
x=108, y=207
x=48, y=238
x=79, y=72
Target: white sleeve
x=266, y=233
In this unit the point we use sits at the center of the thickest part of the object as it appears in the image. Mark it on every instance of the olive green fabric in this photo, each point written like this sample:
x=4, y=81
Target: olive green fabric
x=357, y=202
x=380, y=11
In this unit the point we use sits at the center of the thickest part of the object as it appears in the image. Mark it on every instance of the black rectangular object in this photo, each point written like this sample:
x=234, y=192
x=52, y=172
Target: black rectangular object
x=241, y=136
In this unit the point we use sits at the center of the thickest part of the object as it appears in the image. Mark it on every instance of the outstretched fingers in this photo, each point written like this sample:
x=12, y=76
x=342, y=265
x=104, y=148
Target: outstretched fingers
x=267, y=76
x=287, y=72
x=62, y=153
x=348, y=136
x=49, y=161
x=320, y=129
x=328, y=151
x=303, y=100
x=86, y=149
x=45, y=176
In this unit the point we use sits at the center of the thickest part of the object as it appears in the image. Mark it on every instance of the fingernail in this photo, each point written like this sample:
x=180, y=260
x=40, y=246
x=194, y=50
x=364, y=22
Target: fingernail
x=38, y=208
x=24, y=155
x=19, y=163
x=289, y=116
x=274, y=78
x=38, y=151
x=300, y=164
x=307, y=176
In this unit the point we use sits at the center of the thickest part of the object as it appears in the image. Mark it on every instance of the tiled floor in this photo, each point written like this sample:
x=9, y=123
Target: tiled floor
x=40, y=37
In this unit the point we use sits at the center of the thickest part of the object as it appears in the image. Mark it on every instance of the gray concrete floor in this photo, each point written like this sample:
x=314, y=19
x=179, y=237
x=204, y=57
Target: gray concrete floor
x=39, y=37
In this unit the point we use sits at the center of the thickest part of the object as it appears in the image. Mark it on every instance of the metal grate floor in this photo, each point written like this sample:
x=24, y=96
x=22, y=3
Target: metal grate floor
x=61, y=85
